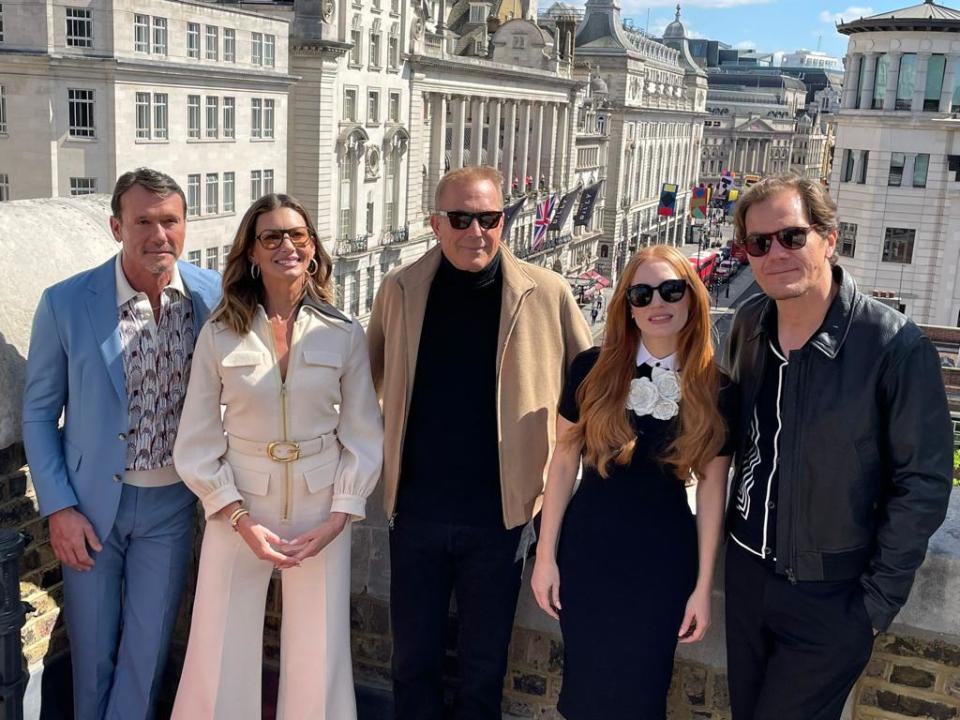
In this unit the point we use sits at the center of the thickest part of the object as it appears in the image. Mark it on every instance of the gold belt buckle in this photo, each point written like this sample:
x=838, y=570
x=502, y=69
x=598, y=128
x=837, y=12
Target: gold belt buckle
x=291, y=451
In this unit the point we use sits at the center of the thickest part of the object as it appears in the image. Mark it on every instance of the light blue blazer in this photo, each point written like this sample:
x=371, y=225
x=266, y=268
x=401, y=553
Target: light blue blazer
x=75, y=367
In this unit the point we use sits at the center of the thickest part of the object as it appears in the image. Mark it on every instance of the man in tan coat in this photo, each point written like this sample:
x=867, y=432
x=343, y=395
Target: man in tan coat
x=469, y=347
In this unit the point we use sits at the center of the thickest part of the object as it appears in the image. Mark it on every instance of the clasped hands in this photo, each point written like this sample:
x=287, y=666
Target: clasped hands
x=284, y=554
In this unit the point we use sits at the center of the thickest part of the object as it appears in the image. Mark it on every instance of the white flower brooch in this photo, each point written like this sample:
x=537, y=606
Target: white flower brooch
x=657, y=395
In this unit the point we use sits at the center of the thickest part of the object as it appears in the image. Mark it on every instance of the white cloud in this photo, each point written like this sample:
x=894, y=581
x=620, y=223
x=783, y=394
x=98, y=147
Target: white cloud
x=854, y=12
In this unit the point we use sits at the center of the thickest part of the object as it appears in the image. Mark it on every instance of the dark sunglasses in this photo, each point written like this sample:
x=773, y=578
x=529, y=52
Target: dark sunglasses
x=671, y=291
x=792, y=238
x=460, y=220
x=273, y=238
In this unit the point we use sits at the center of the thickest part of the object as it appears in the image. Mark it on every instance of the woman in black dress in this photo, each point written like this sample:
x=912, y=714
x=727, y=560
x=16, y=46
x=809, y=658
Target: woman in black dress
x=632, y=572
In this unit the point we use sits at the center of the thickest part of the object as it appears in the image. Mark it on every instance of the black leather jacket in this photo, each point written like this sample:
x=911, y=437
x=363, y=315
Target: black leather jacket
x=866, y=450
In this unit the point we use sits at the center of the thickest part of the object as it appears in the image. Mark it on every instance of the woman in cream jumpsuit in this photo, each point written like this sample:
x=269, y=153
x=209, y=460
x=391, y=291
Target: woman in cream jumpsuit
x=293, y=457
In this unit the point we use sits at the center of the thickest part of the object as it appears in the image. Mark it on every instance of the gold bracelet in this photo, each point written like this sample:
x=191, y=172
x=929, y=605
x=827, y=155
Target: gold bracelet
x=235, y=517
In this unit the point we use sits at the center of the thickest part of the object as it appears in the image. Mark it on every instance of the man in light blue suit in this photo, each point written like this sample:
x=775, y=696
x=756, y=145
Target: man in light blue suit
x=111, y=351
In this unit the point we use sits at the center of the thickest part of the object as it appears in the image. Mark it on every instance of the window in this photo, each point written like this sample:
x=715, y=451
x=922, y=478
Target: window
x=898, y=245
x=905, y=81
x=143, y=116
x=1, y=23
x=394, y=7
x=393, y=109
x=355, y=295
x=393, y=52
x=193, y=117
x=936, y=67
x=213, y=42
x=269, y=50
x=350, y=105
x=160, y=131
x=213, y=111
x=141, y=33
x=478, y=13
x=193, y=195
x=256, y=185
x=371, y=279
x=256, y=118
x=519, y=42
x=229, y=117
x=847, y=239
x=229, y=45
x=860, y=71
x=846, y=169
x=376, y=6
x=80, y=111
x=3, y=110
x=79, y=27
x=920, y=165
x=83, y=185
x=373, y=107
x=193, y=40
x=267, y=182
x=224, y=256
x=268, y=115
x=897, y=161
x=864, y=159
x=880, y=82
x=193, y=257
x=256, y=48
x=160, y=36
x=213, y=258
x=211, y=206
x=229, y=182
x=374, y=50
x=356, y=38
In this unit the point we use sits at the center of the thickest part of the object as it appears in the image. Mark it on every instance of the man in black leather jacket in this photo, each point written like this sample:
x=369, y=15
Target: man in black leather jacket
x=843, y=469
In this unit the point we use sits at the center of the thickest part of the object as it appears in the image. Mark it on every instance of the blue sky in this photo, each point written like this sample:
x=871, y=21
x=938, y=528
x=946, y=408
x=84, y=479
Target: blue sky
x=768, y=25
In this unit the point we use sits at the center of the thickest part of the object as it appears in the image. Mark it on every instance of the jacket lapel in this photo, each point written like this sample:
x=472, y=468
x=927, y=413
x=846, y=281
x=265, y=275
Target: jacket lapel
x=516, y=286
x=102, y=308
x=415, y=287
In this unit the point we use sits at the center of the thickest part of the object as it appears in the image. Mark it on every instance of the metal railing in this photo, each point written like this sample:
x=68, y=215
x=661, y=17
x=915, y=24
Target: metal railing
x=12, y=676
x=350, y=246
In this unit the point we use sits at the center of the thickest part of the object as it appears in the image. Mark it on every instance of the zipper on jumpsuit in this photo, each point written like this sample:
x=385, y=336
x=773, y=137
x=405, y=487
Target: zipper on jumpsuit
x=287, y=489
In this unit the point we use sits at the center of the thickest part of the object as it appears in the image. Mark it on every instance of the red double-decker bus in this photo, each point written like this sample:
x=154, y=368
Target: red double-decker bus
x=704, y=263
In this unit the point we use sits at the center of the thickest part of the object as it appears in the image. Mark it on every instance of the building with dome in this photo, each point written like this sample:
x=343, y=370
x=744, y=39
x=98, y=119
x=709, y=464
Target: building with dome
x=895, y=176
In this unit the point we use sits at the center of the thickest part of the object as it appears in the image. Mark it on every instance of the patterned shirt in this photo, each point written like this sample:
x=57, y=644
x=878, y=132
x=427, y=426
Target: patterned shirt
x=156, y=364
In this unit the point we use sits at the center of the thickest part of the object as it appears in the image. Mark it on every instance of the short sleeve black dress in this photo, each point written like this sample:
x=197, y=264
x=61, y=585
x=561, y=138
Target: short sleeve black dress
x=628, y=562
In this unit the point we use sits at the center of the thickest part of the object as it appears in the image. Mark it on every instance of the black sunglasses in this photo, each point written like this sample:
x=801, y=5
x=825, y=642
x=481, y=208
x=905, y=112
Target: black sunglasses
x=792, y=238
x=671, y=291
x=460, y=220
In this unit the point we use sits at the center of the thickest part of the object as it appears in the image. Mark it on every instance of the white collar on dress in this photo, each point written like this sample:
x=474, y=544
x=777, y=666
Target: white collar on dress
x=125, y=290
x=645, y=356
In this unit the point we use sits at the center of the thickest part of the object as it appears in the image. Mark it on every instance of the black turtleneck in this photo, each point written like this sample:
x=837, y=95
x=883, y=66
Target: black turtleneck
x=450, y=471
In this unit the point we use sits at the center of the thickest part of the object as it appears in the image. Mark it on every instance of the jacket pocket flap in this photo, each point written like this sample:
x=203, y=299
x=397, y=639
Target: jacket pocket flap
x=321, y=476
x=322, y=357
x=71, y=456
x=240, y=358
x=254, y=482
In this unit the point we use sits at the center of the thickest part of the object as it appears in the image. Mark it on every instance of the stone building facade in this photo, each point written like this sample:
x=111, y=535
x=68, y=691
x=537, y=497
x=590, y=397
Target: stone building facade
x=895, y=170
x=89, y=90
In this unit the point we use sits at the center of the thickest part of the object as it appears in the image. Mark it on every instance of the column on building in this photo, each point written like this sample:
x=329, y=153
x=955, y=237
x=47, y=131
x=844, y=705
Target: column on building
x=438, y=142
x=565, y=148
x=851, y=79
x=920, y=81
x=509, y=143
x=949, y=78
x=869, y=77
x=476, y=130
x=524, y=149
x=893, y=78
x=550, y=145
x=537, y=145
x=493, y=134
x=457, y=143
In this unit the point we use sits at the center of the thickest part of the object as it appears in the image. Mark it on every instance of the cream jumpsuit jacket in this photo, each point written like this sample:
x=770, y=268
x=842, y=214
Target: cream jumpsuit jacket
x=293, y=451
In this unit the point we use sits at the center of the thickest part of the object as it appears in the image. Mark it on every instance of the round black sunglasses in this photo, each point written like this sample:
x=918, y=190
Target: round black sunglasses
x=641, y=294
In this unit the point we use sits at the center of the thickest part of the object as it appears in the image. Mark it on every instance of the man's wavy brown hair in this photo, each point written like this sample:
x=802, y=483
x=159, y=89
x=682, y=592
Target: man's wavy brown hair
x=604, y=429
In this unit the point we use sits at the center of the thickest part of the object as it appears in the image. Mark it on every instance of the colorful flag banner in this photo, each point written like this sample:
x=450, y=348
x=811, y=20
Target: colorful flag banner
x=700, y=202
x=585, y=211
x=544, y=216
x=668, y=200
x=509, y=215
x=563, y=210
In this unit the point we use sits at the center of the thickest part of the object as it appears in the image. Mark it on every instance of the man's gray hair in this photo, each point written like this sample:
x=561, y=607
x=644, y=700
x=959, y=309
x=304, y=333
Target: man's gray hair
x=153, y=180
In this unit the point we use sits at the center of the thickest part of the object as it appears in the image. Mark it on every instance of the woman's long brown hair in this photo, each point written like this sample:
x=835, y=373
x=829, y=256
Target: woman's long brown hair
x=241, y=291
x=604, y=429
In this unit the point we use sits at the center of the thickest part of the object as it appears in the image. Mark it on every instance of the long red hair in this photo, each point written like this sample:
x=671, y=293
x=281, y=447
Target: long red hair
x=604, y=429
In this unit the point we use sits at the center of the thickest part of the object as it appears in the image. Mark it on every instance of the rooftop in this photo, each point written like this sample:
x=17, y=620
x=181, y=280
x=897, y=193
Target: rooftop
x=927, y=15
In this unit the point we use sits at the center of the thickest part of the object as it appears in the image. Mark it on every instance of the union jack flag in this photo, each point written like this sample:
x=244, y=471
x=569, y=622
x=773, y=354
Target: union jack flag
x=544, y=216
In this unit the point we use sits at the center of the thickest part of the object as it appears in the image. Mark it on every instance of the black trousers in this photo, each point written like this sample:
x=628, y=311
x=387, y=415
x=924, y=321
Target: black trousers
x=428, y=562
x=794, y=651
